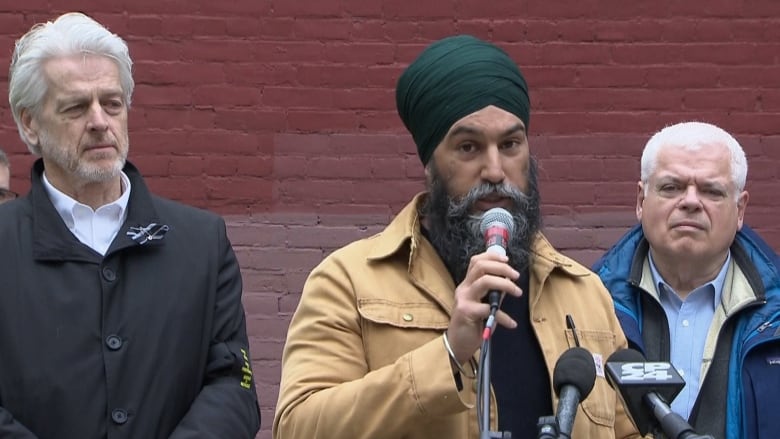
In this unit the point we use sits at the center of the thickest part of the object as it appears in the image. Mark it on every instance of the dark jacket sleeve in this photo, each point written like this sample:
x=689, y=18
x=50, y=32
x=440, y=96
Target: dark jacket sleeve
x=227, y=404
x=11, y=429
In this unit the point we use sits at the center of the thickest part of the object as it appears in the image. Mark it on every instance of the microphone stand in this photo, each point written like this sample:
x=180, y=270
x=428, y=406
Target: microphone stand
x=548, y=428
x=671, y=424
x=483, y=392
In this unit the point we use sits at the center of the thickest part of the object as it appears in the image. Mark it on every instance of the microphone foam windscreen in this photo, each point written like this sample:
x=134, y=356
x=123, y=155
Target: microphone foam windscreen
x=575, y=367
x=626, y=356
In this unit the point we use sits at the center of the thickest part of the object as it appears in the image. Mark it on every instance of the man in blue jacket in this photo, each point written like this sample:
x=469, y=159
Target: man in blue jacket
x=692, y=286
x=120, y=311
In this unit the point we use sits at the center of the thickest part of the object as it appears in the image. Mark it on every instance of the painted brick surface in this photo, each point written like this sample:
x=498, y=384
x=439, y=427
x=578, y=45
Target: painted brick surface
x=280, y=115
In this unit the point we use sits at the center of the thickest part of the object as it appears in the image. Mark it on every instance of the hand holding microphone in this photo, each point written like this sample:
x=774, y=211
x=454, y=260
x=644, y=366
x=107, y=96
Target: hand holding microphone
x=488, y=275
x=497, y=227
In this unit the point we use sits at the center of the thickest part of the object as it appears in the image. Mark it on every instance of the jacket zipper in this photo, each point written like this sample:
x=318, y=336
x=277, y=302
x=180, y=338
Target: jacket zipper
x=763, y=326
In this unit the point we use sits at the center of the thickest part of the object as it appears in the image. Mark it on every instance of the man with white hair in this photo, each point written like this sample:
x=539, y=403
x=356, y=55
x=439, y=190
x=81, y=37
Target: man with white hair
x=692, y=286
x=120, y=311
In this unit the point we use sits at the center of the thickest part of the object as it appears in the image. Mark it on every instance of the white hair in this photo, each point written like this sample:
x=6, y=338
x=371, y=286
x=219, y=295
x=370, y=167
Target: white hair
x=694, y=136
x=70, y=34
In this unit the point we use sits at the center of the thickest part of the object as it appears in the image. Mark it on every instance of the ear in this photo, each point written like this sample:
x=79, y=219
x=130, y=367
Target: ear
x=742, y=202
x=640, y=198
x=428, y=172
x=29, y=126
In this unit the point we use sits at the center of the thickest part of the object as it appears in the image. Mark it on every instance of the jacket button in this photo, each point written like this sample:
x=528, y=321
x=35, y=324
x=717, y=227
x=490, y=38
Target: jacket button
x=108, y=274
x=119, y=416
x=114, y=342
x=407, y=317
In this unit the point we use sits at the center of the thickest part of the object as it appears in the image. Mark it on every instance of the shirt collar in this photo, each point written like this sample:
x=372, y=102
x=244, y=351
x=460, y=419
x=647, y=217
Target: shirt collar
x=716, y=284
x=64, y=204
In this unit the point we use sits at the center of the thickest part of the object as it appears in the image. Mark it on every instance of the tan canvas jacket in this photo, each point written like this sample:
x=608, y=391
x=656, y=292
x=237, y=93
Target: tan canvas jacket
x=365, y=357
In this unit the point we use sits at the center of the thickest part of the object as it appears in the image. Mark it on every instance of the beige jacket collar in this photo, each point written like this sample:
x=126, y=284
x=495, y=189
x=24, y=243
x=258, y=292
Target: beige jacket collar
x=427, y=269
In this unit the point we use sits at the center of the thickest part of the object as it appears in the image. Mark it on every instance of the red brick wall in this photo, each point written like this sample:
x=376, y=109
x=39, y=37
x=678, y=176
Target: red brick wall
x=280, y=115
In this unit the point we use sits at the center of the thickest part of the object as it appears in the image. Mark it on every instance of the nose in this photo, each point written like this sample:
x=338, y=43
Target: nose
x=97, y=121
x=492, y=168
x=690, y=198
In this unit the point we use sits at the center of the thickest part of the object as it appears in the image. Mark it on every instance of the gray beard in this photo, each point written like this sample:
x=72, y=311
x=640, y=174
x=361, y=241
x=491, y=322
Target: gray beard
x=455, y=234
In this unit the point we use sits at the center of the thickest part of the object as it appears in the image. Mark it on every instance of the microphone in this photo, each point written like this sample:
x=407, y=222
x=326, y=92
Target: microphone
x=645, y=388
x=573, y=379
x=497, y=226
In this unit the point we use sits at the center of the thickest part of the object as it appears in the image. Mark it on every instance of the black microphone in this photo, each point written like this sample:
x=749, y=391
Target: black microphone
x=573, y=379
x=497, y=226
x=646, y=389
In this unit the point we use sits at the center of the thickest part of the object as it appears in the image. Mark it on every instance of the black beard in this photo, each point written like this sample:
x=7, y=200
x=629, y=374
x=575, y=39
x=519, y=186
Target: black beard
x=454, y=231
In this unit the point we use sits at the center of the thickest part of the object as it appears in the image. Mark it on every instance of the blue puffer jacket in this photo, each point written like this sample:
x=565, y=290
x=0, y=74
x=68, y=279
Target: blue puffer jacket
x=748, y=368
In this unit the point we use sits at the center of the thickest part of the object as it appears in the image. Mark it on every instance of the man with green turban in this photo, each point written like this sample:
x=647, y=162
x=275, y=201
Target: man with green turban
x=386, y=337
x=453, y=78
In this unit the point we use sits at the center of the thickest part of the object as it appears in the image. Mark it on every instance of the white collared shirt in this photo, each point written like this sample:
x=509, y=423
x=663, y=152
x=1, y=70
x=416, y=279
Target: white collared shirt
x=95, y=228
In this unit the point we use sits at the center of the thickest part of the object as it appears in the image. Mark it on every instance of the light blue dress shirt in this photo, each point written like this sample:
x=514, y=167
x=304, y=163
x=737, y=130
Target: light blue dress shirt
x=689, y=323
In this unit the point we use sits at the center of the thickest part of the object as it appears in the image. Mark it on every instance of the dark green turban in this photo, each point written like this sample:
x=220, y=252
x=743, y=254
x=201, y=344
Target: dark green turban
x=451, y=79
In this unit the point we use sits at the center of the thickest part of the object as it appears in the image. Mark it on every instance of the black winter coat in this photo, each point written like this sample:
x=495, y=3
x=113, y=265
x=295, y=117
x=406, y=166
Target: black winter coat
x=148, y=341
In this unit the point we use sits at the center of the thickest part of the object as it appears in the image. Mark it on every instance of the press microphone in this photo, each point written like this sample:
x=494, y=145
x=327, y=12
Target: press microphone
x=646, y=389
x=497, y=226
x=573, y=379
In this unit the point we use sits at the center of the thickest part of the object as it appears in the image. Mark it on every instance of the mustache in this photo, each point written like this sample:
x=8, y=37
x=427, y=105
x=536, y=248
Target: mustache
x=464, y=204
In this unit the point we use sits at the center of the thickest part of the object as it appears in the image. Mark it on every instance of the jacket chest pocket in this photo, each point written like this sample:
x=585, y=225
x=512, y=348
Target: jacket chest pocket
x=599, y=406
x=392, y=329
